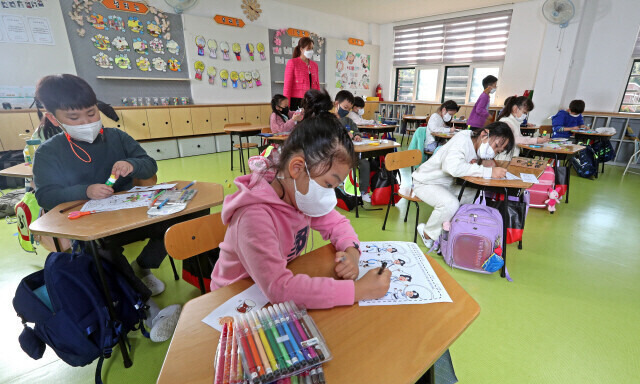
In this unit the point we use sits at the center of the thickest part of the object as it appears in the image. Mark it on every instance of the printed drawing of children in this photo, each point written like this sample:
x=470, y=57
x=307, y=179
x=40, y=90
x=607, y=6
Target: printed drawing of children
x=351, y=57
x=365, y=62
x=340, y=66
x=376, y=249
x=375, y=263
x=402, y=277
x=417, y=292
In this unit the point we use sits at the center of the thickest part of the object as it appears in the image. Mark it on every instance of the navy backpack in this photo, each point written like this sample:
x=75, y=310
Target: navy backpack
x=65, y=301
x=585, y=162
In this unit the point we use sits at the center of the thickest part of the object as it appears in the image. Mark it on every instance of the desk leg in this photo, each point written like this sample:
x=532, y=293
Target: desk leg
x=505, y=220
x=568, y=183
x=57, y=244
x=112, y=313
x=243, y=166
x=521, y=199
x=356, y=188
x=231, y=137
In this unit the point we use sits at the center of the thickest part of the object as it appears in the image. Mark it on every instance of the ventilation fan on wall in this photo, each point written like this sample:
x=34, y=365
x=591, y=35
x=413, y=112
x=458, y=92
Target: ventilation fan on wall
x=181, y=5
x=559, y=11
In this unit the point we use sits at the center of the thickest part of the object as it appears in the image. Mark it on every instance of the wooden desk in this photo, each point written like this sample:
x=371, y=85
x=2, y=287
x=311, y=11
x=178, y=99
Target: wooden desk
x=441, y=136
x=459, y=122
x=242, y=130
x=358, y=337
x=528, y=131
x=378, y=129
x=21, y=170
x=366, y=152
x=277, y=139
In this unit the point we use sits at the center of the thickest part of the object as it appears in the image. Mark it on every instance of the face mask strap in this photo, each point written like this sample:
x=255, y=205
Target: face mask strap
x=71, y=144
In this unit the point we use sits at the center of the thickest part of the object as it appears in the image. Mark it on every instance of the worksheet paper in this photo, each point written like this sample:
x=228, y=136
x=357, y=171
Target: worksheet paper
x=413, y=280
x=120, y=201
x=529, y=178
x=156, y=187
x=250, y=299
x=509, y=176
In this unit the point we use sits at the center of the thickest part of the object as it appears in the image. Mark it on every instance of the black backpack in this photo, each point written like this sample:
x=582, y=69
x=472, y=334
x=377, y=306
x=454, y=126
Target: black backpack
x=604, y=151
x=9, y=159
x=585, y=162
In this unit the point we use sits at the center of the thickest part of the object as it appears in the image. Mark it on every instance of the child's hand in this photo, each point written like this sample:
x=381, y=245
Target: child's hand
x=488, y=163
x=373, y=286
x=121, y=168
x=498, y=173
x=542, y=140
x=357, y=138
x=347, y=265
x=99, y=191
x=297, y=116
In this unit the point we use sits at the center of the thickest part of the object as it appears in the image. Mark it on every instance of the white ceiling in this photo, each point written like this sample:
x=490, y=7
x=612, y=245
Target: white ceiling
x=389, y=11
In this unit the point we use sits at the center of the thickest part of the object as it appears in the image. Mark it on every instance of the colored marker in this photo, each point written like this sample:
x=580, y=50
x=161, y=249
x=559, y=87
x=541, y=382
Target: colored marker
x=294, y=341
x=286, y=364
x=189, y=185
x=265, y=343
x=284, y=337
x=321, y=375
x=242, y=332
x=254, y=349
x=306, y=329
x=303, y=335
x=227, y=355
x=314, y=376
x=163, y=203
x=306, y=319
x=382, y=267
x=156, y=197
x=294, y=379
x=260, y=346
x=306, y=352
x=222, y=343
x=273, y=344
x=240, y=373
x=233, y=373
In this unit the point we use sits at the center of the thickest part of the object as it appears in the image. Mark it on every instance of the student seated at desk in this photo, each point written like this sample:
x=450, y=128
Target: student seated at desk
x=357, y=111
x=282, y=119
x=514, y=113
x=422, y=139
x=271, y=216
x=480, y=112
x=75, y=165
x=468, y=153
x=566, y=121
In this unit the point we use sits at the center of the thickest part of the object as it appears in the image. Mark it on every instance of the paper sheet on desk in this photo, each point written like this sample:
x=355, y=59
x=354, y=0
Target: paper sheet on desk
x=509, y=176
x=529, y=178
x=152, y=187
x=120, y=201
x=246, y=301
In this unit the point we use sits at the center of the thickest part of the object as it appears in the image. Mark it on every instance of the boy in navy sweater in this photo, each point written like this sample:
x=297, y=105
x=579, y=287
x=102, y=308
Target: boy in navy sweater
x=566, y=121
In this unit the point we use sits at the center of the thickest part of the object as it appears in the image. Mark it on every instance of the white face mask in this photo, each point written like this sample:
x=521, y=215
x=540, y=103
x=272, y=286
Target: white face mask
x=493, y=90
x=308, y=54
x=361, y=112
x=485, y=152
x=521, y=118
x=446, y=117
x=83, y=132
x=318, y=201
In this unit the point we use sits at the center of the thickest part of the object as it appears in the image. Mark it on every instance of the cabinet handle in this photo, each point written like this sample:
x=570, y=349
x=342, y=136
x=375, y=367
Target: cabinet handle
x=118, y=125
x=157, y=150
x=26, y=130
x=198, y=145
x=225, y=119
x=187, y=121
x=166, y=122
x=207, y=121
x=143, y=124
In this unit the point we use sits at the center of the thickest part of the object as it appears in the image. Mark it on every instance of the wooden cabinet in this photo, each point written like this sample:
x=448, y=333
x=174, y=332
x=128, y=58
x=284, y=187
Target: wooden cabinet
x=369, y=109
x=219, y=118
x=160, y=125
x=108, y=123
x=236, y=114
x=181, y=119
x=265, y=114
x=201, y=121
x=252, y=114
x=136, y=123
x=15, y=129
x=35, y=121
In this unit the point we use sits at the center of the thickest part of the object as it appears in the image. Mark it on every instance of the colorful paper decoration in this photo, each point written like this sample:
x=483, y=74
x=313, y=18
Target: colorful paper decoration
x=159, y=64
x=153, y=29
x=115, y=23
x=236, y=49
x=157, y=46
x=200, y=43
x=297, y=32
x=250, y=51
x=256, y=76
x=135, y=25
x=260, y=48
x=213, y=47
x=358, y=42
x=174, y=65
x=199, y=66
x=143, y=64
x=211, y=71
x=126, y=6
x=224, y=75
x=140, y=46
x=224, y=47
x=123, y=61
x=231, y=21
x=97, y=21
x=243, y=82
x=247, y=76
x=103, y=61
x=101, y=42
x=120, y=44
x=173, y=47
x=234, y=79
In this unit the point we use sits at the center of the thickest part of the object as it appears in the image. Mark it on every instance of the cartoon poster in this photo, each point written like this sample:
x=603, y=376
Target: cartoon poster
x=353, y=70
x=413, y=280
x=250, y=299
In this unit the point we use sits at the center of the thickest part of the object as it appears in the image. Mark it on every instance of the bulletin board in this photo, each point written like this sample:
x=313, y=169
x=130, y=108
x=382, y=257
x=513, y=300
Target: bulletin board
x=352, y=67
x=240, y=57
x=282, y=52
x=112, y=34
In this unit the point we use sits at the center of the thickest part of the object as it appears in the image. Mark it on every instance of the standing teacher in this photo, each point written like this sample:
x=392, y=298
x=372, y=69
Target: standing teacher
x=301, y=73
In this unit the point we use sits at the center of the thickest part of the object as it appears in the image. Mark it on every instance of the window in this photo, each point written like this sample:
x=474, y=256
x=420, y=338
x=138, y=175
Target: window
x=455, y=84
x=480, y=73
x=631, y=98
x=427, y=87
x=405, y=78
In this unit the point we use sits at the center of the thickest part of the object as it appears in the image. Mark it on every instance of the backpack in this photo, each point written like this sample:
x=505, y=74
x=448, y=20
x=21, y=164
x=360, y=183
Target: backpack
x=65, y=301
x=538, y=192
x=604, y=151
x=8, y=202
x=585, y=162
x=27, y=211
x=474, y=234
x=382, y=182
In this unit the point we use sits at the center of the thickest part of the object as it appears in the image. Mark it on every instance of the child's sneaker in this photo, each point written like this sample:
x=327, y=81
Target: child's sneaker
x=165, y=323
x=155, y=285
x=366, y=198
x=427, y=242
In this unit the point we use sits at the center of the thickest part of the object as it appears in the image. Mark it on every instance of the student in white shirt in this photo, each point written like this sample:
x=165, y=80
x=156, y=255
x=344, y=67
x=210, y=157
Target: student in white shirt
x=468, y=153
x=514, y=113
x=357, y=111
x=437, y=121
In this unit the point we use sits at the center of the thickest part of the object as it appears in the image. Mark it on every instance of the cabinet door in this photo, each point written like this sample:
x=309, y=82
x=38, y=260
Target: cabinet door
x=160, y=125
x=108, y=123
x=136, y=123
x=265, y=114
x=181, y=119
x=201, y=121
x=236, y=115
x=219, y=118
x=35, y=121
x=252, y=114
x=369, y=109
x=15, y=129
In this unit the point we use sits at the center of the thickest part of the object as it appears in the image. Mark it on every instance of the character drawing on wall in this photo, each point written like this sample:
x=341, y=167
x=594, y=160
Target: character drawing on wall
x=135, y=25
x=140, y=46
x=250, y=51
x=199, y=66
x=234, y=79
x=365, y=81
x=211, y=72
x=224, y=47
x=345, y=79
x=103, y=61
x=174, y=65
x=97, y=21
x=242, y=80
x=247, y=76
x=159, y=64
x=213, y=48
x=224, y=75
x=157, y=46
x=236, y=50
x=364, y=60
x=350, y=58
x=173, y=47
x=121, y=44
x=260, y=48
x=101, y=42
x=122, y=61
x=200, y=43
x=256, y=77
x=153, y=28
x=353, y=83
x=116, y=23
x=143, y=64
x=340, y=66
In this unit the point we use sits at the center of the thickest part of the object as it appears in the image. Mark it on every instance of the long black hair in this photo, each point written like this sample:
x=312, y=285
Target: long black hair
x=498, y=129
x=520, y=101
x=315, y=102
x=275, y=101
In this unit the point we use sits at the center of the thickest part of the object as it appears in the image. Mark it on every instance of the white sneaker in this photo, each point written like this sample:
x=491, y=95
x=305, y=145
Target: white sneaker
x=366, y=198
x=427, y=242
x=165, y=323
x=153, y=283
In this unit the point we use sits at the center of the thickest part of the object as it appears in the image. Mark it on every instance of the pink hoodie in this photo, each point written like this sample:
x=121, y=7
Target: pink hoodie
x=264, y=233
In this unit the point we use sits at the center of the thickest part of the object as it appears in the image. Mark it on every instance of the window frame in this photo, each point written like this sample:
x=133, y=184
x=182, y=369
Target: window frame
x=440, y=80
x=444, y=83
x=395, y=82
x=472, y=67
x=634, y=60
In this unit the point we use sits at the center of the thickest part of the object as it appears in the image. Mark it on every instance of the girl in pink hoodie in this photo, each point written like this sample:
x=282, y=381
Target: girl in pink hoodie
x=271, y=215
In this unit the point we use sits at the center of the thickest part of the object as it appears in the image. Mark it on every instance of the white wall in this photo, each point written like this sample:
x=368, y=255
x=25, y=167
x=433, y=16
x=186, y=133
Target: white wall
x=24, y=64
x=386, y=73
x=330, y=65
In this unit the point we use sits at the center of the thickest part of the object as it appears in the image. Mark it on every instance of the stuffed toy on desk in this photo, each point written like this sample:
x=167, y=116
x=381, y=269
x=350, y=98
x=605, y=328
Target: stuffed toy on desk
x=553, y=199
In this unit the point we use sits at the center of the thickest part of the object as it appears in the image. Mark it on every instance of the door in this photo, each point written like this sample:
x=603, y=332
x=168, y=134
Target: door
x=252, y=114
x=160, y=125
x=201, y=121
x=219, y=118
x=236, y=114
x=181, y=120
x=136, y=123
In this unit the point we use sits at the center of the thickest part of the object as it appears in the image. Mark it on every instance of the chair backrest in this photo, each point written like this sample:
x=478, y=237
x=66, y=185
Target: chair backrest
x=193, y=237
x=402, y=159
x=153, y=180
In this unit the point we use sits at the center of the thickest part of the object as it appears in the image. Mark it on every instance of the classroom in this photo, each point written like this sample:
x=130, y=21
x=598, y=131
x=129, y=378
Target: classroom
x=297, y=191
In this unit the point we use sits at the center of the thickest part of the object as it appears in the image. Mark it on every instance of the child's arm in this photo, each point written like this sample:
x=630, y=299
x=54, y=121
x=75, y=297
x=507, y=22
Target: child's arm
x=455, y=164
x=144, y=166
x=278, y=125
x=49, y=189
x=337, y=228
x=480, y=108
x=359, y=120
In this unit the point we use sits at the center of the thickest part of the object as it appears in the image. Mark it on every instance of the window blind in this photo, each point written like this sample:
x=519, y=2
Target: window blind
x=636, y=50
x=469, y=39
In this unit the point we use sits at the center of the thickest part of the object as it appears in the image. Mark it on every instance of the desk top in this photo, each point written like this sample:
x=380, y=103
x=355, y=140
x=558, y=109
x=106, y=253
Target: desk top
x=280, y=138
x=458, y=121
x=246, y=128
x=592, y=133
x=377, y=127
x=514, y=169
x=530, y=128
x=406, y=339
x=20, y=170
x=369, y=148
x=103, y=224
x=564, y=149
x=415, y=117
x=442, y=135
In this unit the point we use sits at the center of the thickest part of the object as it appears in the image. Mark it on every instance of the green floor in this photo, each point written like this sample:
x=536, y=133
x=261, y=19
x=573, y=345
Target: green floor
x=572, y=314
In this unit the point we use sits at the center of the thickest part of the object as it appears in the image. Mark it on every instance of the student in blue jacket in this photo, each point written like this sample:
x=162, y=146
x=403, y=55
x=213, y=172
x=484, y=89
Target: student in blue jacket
x=566, y=121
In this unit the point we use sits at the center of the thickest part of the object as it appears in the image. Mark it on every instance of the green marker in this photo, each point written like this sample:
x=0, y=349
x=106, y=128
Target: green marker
x=275, y=335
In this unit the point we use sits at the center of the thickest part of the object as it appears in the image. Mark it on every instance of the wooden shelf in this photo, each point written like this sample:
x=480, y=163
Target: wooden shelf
x=142, y=78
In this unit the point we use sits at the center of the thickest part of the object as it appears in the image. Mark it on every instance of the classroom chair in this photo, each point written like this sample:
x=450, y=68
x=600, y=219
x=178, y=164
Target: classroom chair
x=193, y=238
x=265, y=144
x=394, y=162
x=242, y=146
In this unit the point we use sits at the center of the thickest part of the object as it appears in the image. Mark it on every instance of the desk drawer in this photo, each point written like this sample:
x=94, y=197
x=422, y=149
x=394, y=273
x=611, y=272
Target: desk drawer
x=223, y=143
x=194, y=146
x=161, y=150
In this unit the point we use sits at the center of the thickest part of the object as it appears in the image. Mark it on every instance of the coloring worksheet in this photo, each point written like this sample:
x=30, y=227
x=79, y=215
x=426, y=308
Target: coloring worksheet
x=250, y=299
x=120, y=201
x=413, y=280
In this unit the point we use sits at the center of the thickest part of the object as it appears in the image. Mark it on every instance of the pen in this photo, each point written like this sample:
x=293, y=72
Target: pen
x=382, y=267
x=163, y=203
x=189, y=185
x=156, y=198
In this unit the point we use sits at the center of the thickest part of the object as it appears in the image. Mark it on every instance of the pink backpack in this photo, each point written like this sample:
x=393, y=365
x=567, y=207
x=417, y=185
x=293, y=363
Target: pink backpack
x=538, y=192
